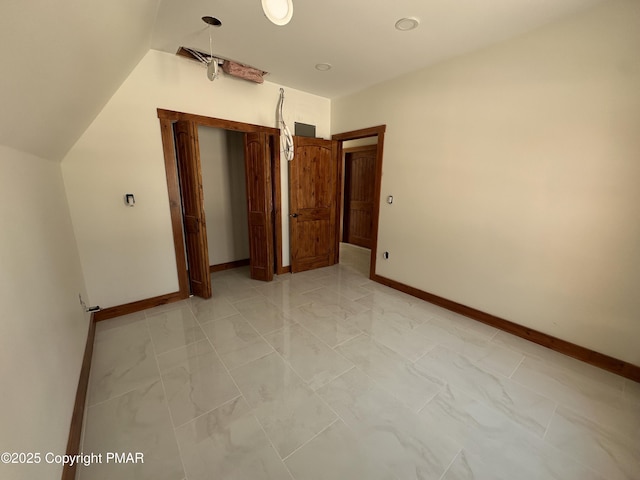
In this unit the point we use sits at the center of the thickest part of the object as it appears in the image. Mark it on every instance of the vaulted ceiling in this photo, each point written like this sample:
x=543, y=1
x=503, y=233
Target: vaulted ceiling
x=62, y=60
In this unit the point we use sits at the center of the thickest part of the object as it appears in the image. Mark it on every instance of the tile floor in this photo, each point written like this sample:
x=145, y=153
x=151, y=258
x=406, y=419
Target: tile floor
x=327, y=375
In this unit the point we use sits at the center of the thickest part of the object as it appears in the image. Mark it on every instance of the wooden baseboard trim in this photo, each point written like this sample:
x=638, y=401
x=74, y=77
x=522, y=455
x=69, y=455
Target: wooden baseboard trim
x=283, y=270
x=600, y=360
x=77, y=418
x=133, y=307
x=229, y=265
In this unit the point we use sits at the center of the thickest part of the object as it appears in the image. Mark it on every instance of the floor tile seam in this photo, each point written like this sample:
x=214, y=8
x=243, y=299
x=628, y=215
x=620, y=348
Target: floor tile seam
x=297, y=374
x=250, y=361
x=451, y=463
x=265, y=333
x=174, y=306
x=346, y=341
x=609, y=430
x=321, y=340
x=216, y=319
x=178, y=348
x=137, y=387
x=327, y=382
x=101, y=331
x=546, y=430
x=409, y=360
x=553, y=364
x=486, y=340
x=500, y=376
x=386, y=390
x=572, y=457
x=487, y=402
x=583, y=380
x=337, y=419
x=282, y=357
x=273, y=447
x=517, y=367
x=355, y=434
x=432, y=398
x=252, y=408
x=512, y=424
x=220, y=405
x=562, y=404
x=304, y=382
x=166, y=402
x=144, y=384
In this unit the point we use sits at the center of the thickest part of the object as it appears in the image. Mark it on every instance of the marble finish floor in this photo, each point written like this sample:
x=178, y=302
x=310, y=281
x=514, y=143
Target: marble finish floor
x=327, y=375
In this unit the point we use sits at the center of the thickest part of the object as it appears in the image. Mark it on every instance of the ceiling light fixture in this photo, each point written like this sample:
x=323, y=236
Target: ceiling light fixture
x=406, y=24
x=212, y=64
x=323, y=67
x=279, y=12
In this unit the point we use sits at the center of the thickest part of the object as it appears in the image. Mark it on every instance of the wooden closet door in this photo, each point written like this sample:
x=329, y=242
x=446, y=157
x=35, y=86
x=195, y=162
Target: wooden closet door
x=260, y=205
x=195, y=226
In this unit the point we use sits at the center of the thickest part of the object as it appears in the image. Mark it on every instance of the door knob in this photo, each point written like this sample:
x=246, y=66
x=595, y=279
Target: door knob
x=294, y=215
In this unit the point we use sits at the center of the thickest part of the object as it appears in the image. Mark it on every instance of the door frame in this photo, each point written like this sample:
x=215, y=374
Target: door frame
x=377, y=131
x=167, y=119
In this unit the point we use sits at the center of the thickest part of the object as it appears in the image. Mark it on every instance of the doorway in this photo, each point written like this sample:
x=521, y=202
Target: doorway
x=262, y=163
x=376, y=137
x=359, y=183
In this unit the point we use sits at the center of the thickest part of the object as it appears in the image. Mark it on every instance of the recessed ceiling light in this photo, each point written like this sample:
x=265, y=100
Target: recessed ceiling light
x=406, y=24
x=278, y=12
x=323, y=67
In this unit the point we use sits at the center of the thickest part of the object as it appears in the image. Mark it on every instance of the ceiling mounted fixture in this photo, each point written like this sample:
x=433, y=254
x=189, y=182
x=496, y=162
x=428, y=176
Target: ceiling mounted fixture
x=406, y=24
x=279, y=12
x=213, y=21
x=212, y=65
x=323, y=67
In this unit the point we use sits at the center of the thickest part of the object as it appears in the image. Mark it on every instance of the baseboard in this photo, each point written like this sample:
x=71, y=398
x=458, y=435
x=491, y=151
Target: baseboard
x=133, y=307
x=229, y=265
x=77, y=418
x=600, y=360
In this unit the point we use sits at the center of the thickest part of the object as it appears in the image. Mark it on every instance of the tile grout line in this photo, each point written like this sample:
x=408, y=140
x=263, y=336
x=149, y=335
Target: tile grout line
x=517, y=366
x=166, y=399
x=338, y=418
x=451, y=463
x=251, y=408
x=546, y=430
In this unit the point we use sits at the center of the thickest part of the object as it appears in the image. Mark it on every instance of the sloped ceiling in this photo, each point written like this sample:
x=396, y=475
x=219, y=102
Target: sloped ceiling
x=62, y=60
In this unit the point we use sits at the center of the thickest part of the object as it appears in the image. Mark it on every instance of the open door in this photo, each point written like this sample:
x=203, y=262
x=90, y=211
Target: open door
x=313, y=179
x=359, y=195
x=257, y=157
x=195, y=229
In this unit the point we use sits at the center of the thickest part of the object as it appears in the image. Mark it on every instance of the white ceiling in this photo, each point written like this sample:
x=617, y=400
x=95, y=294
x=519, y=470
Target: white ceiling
x=357, y=37
x=62, y=60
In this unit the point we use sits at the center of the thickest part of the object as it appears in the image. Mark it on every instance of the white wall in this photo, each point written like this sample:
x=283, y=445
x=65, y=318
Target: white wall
x=225, y=197
x=127, y=254
x=43, y=328
x=515, y=175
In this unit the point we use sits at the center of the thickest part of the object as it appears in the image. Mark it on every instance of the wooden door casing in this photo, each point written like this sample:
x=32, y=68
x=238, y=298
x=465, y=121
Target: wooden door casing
x=195, y=227
x=313, y=178
x=359, y=193
x=260, y=206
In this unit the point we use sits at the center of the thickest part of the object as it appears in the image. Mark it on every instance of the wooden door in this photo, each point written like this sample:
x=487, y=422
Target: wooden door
x=359, y=193
x=195, y=228
x=313, y=202
x=260, y=205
